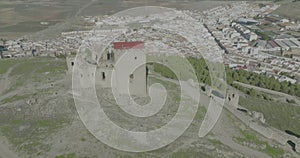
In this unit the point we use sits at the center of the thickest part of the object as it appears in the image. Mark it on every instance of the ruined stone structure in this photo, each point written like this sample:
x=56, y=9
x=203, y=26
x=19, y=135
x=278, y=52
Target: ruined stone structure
x=232, y=98
x=70, y=63
x=259, y=116
x=129, y=69
x=256, y=121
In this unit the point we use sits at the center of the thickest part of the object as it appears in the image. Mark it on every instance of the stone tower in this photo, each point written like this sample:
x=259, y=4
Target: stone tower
x=70, y=64
x=129, y=70
x=232, y=98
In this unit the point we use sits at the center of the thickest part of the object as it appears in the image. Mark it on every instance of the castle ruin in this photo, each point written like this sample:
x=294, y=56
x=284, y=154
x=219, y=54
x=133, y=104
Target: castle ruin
x=133, y=66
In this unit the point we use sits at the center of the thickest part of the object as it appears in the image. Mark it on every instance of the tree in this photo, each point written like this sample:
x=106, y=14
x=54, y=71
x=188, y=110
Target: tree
x=284, y=87
x=275, y=86
x=291, y=91
x=252, y=92
x=3, y=41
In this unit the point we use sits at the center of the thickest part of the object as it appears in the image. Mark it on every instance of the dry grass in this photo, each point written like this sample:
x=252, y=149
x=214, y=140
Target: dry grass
x=282, y=116
x=290, y=10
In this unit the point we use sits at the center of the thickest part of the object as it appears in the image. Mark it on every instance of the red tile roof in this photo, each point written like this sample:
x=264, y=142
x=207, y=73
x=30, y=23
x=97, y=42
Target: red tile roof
x=273, y=44
x=129, y=45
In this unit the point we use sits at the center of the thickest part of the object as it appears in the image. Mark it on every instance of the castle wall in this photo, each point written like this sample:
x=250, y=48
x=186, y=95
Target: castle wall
x=103, y=77
x=138, y=84
x=130, y=71
x=263, y=129
x=125, y=69
x=70, y=64
x=298, y=147
x=232, y=98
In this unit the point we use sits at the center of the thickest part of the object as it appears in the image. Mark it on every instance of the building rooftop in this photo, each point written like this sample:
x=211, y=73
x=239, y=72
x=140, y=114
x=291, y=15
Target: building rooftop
x=129, y=45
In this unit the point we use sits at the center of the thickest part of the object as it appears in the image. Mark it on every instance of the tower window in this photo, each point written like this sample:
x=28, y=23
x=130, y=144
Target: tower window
x=72, y=63
x=131, y=76
x=103, y=76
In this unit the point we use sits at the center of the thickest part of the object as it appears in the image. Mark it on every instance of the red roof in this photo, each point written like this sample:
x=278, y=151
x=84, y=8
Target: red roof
x=273, y=44
x=276, y=71
x=129, y=45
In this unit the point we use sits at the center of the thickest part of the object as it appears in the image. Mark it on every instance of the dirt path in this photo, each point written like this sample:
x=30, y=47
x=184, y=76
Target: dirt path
x=22, y=90
x=79, y=12
x=224, y=132
x=4, y=81
x=4, y=85
x=220, y=130
x=269, y=91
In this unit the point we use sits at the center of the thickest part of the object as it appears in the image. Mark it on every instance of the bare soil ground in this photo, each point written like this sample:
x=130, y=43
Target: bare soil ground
x=289, y=9
x=19, y=18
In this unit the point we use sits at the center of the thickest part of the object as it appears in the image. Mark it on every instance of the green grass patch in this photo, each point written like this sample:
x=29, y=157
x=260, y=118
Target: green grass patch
x=282, y=116
x=46, y=123
x=199, y=67
x=289, y=10
x=166, y=84
x=204, y=70
x=263, y=35
x=274, y=152
x=15, y=98
x=53, y=67
x=189, y=154
x=215, y=141
x=40, y=65
x=34, y=70
x=17, y=122
x=30, y=139
x=200, y=113
x=71, y=155
x=5, y=64
x=26, y=67
x=251, y=137
x=164, y=71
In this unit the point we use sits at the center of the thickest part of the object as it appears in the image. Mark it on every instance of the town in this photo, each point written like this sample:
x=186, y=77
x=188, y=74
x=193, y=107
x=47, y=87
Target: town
x=248, y=35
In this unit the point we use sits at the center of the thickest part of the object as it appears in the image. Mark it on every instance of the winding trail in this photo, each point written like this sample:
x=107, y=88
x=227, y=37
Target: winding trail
x=5, y=152
x=269, y=91
x=4, y=80
x=78, y=13
x=225, y=136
